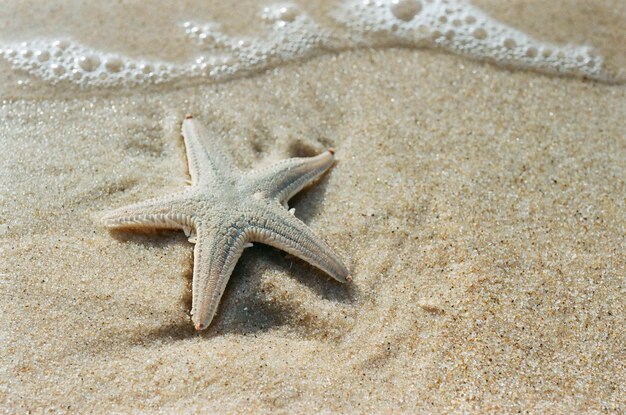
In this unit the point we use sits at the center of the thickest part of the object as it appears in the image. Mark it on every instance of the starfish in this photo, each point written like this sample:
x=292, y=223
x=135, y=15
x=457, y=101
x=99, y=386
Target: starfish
x=225, y=210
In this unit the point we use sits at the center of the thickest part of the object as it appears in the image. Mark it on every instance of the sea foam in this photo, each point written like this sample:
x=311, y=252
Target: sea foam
x=291, y=34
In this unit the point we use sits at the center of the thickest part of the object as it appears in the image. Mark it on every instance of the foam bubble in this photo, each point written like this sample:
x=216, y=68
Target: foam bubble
x=89, y=63
x=114, y=64
x=291, y=34
x=405, y=10
x=42, y=56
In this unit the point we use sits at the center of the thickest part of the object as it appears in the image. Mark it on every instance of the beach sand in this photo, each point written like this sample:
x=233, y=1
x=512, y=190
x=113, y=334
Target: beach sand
x=481, y=211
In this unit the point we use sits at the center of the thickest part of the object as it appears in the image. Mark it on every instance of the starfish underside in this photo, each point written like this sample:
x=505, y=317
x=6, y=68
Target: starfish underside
x=225, y=210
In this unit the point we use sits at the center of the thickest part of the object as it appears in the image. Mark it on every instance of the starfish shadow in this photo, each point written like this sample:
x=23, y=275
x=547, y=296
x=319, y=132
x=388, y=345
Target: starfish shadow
x=306, y=201
x=245, y=309
x=314, y=279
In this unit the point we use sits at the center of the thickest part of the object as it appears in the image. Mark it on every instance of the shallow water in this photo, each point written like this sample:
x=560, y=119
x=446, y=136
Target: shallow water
x=286, y=32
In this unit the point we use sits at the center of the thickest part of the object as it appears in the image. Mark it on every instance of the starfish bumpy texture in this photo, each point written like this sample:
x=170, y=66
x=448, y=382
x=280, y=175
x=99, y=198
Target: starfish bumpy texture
x=225, y=210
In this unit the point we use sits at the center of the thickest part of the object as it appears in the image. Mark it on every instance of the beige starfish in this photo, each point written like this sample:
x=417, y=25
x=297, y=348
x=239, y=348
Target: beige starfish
x=224, y=211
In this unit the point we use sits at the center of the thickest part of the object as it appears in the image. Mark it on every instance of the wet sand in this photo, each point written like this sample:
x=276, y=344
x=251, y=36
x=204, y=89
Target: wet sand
x=481, y=211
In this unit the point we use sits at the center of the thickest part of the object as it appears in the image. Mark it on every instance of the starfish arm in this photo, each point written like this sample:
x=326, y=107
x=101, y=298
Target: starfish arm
x=204, y=165
x=161, y=212
x=286, y=178
x=216, y=252
x=280, y=229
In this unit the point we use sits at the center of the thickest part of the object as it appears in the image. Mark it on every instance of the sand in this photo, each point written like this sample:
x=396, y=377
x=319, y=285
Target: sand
x=480, y=209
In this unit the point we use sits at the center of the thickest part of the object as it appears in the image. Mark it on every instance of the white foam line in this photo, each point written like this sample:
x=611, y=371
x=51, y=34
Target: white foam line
x=291, y=34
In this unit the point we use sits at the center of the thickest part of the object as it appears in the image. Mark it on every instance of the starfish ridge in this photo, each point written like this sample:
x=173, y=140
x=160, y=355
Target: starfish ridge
x=225, y=210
